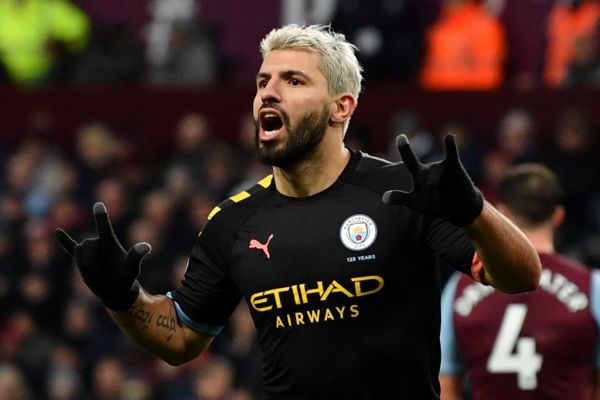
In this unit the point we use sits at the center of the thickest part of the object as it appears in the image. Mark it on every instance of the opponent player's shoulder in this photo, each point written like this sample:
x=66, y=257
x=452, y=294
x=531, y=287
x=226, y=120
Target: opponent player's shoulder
x=379, y=174
x=231, y=213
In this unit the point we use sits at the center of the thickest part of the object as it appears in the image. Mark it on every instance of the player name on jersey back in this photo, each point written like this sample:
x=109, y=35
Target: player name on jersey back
x=552, y=282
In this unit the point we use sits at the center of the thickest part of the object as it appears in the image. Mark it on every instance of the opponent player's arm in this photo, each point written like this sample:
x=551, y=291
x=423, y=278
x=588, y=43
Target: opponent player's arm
x=595, y=307
x=510, y=262
x=451, y=365
x=152, y=323
x=451, y=387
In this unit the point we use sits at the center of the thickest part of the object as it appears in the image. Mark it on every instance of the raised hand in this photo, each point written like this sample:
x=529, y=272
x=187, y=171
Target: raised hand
x=106, y=268
x=440, y=189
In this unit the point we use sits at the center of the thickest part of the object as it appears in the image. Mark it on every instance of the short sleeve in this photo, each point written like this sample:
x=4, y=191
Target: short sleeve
x=595, y=305
x=207, y=296
x=451, y=363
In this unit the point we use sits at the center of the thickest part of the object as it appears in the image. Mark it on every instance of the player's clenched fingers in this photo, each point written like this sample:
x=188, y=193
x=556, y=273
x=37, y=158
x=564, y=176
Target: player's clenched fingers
x=66, y=241
x=103, y=225
x=408, y=156
x=450, y=148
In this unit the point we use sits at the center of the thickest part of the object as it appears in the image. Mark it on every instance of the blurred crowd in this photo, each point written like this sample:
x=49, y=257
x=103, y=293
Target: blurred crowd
x=433, y=44
x=58, y=343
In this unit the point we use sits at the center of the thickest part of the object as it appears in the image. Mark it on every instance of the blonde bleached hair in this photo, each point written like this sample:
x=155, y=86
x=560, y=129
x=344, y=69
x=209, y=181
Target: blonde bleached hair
x=338, y=62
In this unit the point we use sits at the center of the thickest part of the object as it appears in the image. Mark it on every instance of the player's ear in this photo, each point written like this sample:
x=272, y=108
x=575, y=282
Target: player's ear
x=343, y=107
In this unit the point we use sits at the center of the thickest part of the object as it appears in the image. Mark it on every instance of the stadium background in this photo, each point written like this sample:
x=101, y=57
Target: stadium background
x=128, y=120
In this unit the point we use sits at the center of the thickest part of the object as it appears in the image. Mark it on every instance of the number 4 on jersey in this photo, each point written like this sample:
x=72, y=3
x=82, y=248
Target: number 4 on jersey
x=523, y=361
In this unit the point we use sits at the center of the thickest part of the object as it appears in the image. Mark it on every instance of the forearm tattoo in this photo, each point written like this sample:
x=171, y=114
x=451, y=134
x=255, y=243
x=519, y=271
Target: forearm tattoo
x=143, y=315
x=140, y=313
x=168, y=323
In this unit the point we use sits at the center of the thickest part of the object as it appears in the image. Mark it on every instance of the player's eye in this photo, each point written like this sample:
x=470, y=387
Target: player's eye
x=295, y=82
x=261, y=83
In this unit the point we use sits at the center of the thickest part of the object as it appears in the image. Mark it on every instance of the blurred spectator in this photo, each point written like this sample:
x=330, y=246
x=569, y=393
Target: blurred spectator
x=108, y=380
x=525, y=24
x=192, y=57
x=466, y=49
x=7, y=275
x=388, y=34
x=113, y=56
x=63, y=378
x=250, y=169
x=99, y=154
x=175, y=383
x=83, y=332
x=214, y=380
x=164, y=14
x=470, y=145
x=219, y=170
x=50, y=179
x=183, y=47
x=113, y=193
x=67, y=212
x=200, y=158
x=193, y=143
x=136, y=389
x=516, y=137
x=41, y=284
x=584, y=68
x=573, y=156
x=33, y=31
x=570, y=22
x=36, y=175
x=12, y=257
x=24, y=343
x=307, y=11
x=423, y=143
x=13, y=385
x=12, y=214
x=515, y=142
x=20, y=170
x=199, y=207
x=156, y=226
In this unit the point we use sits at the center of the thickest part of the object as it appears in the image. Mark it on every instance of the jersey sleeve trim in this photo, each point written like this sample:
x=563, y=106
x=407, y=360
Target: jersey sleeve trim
x=595, y=308
x=450, y=362
x=212, y=330
x=264, y=183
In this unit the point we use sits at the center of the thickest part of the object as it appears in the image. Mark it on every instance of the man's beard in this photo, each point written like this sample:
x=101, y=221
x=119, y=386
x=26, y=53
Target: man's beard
x=302, y=140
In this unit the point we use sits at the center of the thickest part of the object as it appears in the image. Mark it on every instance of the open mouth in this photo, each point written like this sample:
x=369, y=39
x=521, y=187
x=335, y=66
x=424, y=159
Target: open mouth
x=271, y=123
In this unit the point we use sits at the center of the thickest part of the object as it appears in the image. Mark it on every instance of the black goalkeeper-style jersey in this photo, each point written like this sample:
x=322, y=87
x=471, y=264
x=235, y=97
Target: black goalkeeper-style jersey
x=344, y=290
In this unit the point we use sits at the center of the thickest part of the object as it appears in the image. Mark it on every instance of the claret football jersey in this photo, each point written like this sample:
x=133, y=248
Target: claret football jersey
x=344, y=290
x=537, y=345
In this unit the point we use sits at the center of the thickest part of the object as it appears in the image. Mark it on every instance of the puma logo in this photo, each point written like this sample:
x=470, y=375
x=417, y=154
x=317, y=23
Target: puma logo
x=255, y=244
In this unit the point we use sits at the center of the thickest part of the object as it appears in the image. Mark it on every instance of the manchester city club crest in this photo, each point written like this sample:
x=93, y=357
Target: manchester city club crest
x=358, y=232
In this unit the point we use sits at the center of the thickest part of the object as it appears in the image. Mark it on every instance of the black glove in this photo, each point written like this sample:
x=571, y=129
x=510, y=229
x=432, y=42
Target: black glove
x=441, y=189
x=106, y=268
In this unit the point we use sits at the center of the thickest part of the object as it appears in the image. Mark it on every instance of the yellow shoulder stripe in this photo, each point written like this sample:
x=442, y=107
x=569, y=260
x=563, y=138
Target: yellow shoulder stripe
x=213, y=212
x=240, y=196
x=266, y=181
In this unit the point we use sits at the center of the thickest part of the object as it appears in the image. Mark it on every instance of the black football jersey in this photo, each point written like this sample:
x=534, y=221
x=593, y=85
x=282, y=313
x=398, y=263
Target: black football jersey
x=344, y=290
